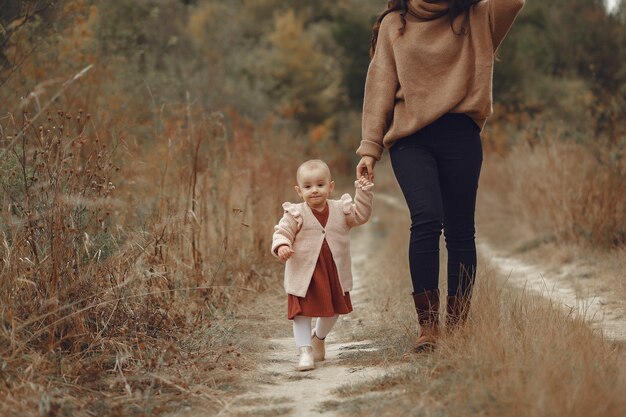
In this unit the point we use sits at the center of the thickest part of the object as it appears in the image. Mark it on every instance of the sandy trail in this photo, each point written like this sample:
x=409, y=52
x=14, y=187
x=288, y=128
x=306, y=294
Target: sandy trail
x=288, y=392
x=600, y=312
x=300, y=393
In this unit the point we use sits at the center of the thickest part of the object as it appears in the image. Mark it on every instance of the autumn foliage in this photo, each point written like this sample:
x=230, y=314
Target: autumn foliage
x=146, y=147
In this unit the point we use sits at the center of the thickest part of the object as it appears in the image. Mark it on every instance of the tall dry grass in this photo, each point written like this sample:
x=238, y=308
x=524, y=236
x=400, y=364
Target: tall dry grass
x=518, y=355
x=561, y=189
x=123, y=260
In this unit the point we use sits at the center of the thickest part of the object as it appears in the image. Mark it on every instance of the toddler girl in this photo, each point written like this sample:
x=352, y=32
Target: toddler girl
x=313, y=238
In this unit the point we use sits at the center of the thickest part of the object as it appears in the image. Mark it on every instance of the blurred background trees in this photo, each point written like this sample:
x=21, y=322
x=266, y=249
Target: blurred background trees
x=297, y=69
x=302, y=62
x=565, y=61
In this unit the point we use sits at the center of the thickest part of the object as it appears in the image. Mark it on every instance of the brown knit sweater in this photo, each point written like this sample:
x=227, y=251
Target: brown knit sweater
x=416, y=77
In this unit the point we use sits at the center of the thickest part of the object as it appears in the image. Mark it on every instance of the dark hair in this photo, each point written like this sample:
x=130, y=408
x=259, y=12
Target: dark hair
x=456, y=8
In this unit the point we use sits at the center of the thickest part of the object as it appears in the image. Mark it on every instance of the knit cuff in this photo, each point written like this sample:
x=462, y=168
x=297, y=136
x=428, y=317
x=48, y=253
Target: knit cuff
x=370, y=148
x=278, y=243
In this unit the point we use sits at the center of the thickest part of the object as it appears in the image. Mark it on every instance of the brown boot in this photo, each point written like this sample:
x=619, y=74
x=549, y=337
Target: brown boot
x=458, y=307
x=427, y=308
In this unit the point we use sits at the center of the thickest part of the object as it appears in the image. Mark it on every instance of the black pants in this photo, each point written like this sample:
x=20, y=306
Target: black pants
x=438, y=169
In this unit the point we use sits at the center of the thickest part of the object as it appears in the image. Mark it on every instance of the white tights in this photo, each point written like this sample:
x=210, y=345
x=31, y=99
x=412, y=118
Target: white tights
x=302, y=328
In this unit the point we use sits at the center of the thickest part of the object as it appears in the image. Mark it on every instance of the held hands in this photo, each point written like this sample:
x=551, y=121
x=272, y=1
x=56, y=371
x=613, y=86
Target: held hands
x=284, y=252
x=364, y=182
x=365, y=168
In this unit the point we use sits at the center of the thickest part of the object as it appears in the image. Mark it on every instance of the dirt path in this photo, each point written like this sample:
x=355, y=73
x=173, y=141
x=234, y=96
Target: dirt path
x=278, y=389
x=288, y=392
x=601, y=312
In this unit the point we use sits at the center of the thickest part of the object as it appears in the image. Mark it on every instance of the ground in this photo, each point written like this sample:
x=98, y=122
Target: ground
x=370, y=367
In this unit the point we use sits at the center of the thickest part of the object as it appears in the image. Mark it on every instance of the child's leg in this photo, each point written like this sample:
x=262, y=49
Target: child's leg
x=324, y=325
x=302, y=330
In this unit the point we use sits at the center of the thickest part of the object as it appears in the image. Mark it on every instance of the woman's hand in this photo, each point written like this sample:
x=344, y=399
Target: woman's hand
x=365, y=168
x=284, y=252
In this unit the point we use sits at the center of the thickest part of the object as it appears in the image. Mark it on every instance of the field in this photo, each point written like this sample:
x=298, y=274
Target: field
x=146, y=149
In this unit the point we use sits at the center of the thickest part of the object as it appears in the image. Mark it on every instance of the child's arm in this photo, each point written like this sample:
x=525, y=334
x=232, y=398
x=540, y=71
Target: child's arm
x=285, y=232
x=359, y=211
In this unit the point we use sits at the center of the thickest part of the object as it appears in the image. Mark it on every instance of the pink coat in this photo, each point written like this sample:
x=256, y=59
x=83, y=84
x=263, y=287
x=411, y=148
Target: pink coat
x=300, y=230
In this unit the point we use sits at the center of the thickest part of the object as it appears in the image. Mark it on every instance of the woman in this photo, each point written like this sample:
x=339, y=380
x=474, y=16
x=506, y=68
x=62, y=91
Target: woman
x=427, y=97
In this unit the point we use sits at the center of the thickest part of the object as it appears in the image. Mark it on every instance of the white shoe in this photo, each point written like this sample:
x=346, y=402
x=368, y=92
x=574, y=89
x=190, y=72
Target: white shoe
x=306, y=359
x=319, y=350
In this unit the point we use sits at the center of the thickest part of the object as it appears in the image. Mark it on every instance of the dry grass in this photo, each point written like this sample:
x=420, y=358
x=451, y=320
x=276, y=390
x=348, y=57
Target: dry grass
x=123, y=264
x=561, y=190
x=134, y=277
x=562, y=204
x=518, y=355
x=167, y=321
x=145, y=290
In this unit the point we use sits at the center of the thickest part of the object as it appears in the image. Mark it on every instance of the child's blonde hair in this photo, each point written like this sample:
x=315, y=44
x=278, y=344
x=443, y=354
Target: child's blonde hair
x=312, y=164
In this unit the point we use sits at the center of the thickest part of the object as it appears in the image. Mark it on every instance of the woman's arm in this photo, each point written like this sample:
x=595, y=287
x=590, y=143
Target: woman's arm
x=502, y=13
x=380, y=91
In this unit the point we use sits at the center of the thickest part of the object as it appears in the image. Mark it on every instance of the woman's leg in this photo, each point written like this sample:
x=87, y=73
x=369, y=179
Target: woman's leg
x=417, y=174
x=416, y=170
x=302, y=330
x=458, y=152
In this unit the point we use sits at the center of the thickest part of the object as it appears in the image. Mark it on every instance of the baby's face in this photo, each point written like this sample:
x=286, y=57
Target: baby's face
x=314, y=186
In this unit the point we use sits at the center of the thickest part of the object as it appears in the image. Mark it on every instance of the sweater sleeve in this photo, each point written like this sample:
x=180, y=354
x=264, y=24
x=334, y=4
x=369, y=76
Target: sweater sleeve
x=287, y=228
x=359, y=211
x=502, y=13
x=381, y=85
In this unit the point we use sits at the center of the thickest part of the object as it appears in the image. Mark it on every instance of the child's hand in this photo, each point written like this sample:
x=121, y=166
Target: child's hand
x=363, y=182
x=284, y=252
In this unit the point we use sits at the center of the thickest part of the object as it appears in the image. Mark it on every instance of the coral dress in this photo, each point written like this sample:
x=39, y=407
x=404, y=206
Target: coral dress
x=324, y=297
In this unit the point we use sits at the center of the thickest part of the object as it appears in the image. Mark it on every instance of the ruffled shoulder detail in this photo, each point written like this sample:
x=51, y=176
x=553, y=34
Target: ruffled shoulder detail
x=364, y=188
x=346, y=203
x=294, y=210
